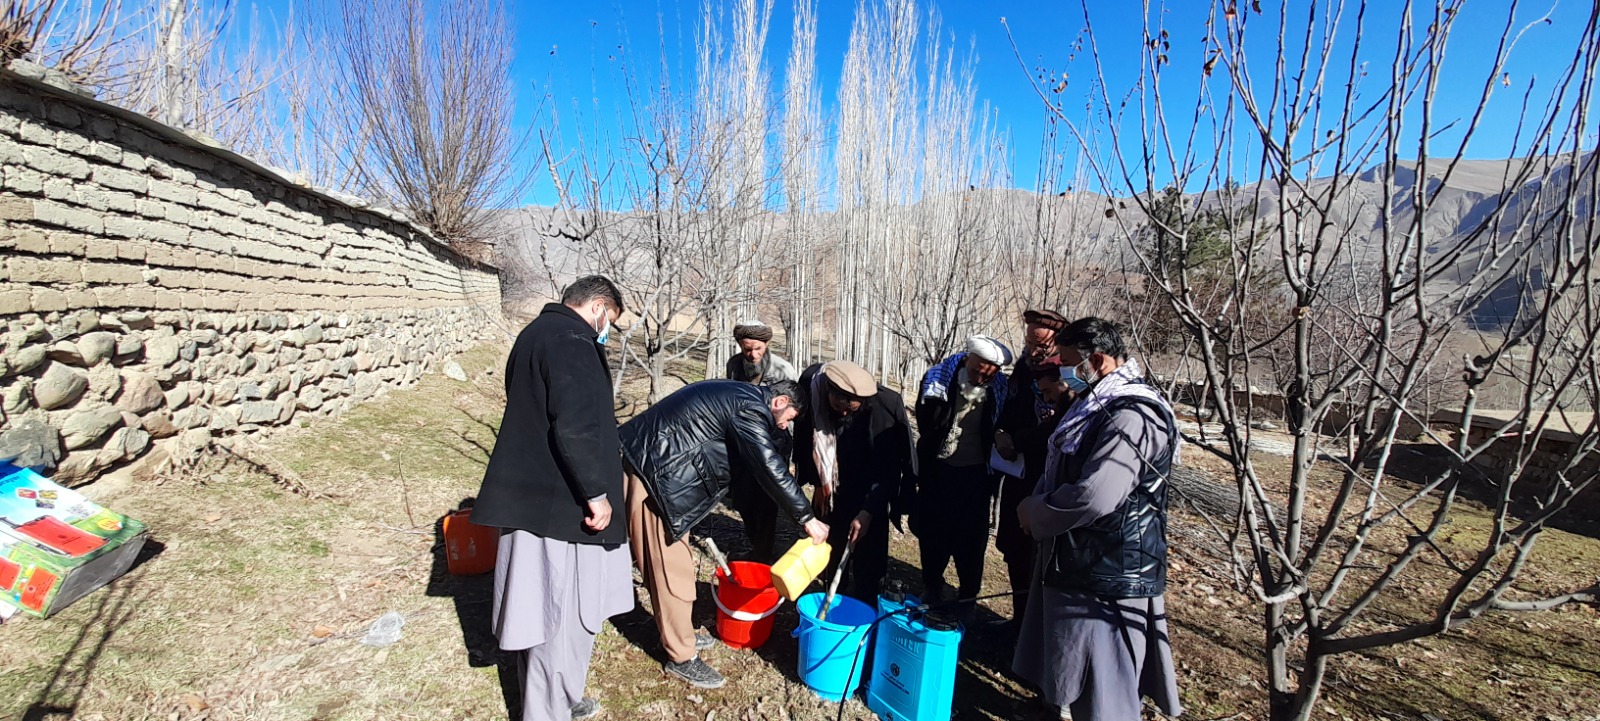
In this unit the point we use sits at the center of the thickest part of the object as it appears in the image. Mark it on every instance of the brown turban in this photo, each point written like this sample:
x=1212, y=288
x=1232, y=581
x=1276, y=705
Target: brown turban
x=753, y=330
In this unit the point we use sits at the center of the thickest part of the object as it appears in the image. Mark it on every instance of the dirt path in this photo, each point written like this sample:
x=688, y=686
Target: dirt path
x=253, y=603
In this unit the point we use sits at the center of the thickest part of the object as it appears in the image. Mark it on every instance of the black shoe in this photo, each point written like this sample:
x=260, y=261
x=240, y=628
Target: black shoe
x=703, y=641
x=697, y=673
x=587, y=708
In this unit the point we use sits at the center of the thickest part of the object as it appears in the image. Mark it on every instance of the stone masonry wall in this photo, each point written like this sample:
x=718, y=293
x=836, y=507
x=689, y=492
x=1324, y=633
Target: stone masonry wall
x=153, y=285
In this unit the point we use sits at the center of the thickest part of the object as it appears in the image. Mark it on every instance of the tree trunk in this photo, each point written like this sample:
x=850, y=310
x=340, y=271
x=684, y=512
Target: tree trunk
x=172, y=62
x=1292, y=697
x=1280, y=688
x=657, y=368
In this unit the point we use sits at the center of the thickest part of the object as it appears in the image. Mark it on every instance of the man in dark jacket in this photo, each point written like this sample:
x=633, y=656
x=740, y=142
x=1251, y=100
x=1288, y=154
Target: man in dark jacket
x=756, y=363
x=853, y=444
x=562, y=565
x=681, y=455
x=1031, y=412
x=960, y=402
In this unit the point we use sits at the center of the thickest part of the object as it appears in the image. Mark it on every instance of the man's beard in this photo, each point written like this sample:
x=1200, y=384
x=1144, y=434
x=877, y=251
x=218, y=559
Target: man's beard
x=750, y=368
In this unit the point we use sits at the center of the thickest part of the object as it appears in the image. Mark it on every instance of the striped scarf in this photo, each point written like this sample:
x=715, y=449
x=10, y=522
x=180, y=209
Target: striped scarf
x=937, y=381
x=1127, y=381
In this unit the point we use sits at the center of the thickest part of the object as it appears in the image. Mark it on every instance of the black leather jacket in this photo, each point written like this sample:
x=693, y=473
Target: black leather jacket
x=691, y=445
x=1124, y=553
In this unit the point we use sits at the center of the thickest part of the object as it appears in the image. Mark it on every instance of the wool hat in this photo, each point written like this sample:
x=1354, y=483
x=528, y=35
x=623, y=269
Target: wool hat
x=989, y=349
x=1045, y=319
x=850, y=378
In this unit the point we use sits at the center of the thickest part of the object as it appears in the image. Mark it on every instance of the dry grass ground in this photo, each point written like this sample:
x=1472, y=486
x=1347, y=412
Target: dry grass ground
x=253, y=603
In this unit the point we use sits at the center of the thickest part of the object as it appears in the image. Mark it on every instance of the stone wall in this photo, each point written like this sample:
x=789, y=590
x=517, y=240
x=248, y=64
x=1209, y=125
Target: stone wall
x=153, y=285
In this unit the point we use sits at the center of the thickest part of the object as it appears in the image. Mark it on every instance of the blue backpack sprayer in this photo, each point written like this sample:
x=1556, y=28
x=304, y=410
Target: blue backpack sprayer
x=914, y=656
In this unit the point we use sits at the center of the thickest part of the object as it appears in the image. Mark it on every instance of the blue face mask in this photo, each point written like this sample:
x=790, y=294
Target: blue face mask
x=604, y=334
x=1069, y=376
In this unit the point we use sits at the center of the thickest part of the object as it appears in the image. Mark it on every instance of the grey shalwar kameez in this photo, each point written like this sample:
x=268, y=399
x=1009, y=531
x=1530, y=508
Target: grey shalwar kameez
x=550, y=598
x=1096, y=656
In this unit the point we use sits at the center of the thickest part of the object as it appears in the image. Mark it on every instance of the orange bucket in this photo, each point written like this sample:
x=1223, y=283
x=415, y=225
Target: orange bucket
x=468, y=547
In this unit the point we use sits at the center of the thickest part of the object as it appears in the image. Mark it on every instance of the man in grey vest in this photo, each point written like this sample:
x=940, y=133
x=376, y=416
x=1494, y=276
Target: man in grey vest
x=1094, y=634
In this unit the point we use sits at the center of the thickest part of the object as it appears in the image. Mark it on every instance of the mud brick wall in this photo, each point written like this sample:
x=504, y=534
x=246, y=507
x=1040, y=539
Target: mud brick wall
x=153, y=285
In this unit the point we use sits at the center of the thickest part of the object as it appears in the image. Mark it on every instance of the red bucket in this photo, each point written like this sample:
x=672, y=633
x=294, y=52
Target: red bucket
x=745, y=604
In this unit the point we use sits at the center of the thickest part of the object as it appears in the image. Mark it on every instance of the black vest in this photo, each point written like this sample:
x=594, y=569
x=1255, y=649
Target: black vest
x=1124, y=553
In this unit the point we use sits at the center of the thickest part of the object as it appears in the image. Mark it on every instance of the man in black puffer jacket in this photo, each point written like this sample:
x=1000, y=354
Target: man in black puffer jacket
x=680, y=457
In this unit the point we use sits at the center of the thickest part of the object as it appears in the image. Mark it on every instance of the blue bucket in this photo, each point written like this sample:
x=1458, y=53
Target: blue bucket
x=830, y=648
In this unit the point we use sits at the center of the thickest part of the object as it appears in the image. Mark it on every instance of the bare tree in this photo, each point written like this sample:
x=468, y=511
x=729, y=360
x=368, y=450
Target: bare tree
x=192, y=65
x=677, y=209
x=803, y=190
x=920, y=220
x=423, y=90
x=1352, y=226
x=45, y=31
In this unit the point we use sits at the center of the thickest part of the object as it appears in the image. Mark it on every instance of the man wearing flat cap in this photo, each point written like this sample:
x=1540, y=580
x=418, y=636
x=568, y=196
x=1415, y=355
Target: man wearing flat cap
x=1025, y=424
x=755, y=362
x=958, y=410
x=853, y=445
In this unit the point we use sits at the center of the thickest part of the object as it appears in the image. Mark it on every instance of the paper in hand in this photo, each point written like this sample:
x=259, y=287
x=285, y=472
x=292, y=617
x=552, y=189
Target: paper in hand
x=1015, y=468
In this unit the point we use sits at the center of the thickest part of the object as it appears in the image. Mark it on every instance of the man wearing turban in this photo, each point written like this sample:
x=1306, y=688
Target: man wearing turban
x=958, y=410
x=1026, y=423
x=755, y=363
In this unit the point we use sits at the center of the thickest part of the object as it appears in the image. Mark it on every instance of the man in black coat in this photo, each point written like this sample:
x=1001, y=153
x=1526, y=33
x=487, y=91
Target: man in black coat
x=681, y=456
x=854, y=445
x=562, y=566
x=1032, y=409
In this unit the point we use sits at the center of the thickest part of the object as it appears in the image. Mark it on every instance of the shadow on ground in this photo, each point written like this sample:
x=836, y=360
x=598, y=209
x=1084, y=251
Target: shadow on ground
x=473, y=597
x=985, y=686
x=1420, y=463
x=114, y=607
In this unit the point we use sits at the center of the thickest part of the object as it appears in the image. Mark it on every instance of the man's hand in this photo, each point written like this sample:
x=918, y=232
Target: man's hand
x=821, y=500
x=1024, y=511
x=817, y=530
x=599, y=515
x=859, y=526
x=1005, y=446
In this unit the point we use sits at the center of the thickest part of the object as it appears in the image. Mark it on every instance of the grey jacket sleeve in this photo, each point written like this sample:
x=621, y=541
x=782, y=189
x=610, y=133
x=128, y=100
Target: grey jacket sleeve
x=781, y=370
x=1110, y=471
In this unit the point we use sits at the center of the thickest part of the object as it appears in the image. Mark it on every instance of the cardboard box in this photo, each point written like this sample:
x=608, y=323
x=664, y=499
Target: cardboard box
x=57, y=546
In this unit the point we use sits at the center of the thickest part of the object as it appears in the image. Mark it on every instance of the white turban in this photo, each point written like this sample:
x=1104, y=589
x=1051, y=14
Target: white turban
x=989, y=349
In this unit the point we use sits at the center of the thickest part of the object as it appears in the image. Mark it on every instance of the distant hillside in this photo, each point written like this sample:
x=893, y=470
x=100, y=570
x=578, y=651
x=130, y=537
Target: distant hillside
x=1463, y=208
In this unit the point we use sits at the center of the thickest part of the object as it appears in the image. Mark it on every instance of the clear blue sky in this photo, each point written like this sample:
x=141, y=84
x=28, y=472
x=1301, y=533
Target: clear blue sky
x=567, y=51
